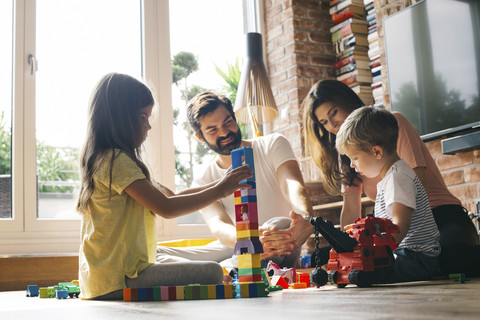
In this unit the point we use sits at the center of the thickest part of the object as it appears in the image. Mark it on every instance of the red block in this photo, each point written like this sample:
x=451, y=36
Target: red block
x=250, y=278
x=172, y=293
x=279, y=281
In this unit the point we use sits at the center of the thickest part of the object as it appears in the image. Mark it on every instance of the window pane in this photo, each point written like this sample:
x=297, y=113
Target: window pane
x=6, y=42
x=215, y=40
x=77, y=42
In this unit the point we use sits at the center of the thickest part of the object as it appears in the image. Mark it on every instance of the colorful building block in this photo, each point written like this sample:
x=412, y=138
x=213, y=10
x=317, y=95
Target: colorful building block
x=303, y=277
x=188, y=295
x=61, y=294
x=157, y=294
x=220, y=291
x=212, y=294
x=228, y=291
x=43, y=292
x=250, y=278
x=246, y=212
x=279, y=281
x=241, y=156
x=242, y=234
x=246, y=225
x=32, y=291
x=142, y=294
x=249, y=261
x=180, y=292
x=298, y=285
x=127, y=294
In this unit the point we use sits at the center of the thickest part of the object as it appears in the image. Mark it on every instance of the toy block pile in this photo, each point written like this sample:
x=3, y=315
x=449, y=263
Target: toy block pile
x=61, y=291
x=287, y=277
x=196, y=292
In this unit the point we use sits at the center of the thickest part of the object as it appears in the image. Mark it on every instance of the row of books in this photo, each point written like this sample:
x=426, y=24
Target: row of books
x=351, y=45
x=374, y=53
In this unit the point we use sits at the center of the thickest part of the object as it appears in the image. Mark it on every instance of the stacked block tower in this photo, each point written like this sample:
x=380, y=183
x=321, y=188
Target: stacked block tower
x=248, y=247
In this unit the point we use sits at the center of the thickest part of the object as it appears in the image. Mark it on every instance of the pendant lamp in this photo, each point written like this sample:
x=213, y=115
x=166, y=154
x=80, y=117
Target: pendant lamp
x=255, y=103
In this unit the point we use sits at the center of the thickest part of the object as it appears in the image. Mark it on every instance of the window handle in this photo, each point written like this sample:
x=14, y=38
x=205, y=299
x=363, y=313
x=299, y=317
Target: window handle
x=33, y=64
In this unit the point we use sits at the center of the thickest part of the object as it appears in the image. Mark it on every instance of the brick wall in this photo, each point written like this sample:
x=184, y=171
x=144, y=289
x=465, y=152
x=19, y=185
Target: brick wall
x=299, y=53
x=461, y=171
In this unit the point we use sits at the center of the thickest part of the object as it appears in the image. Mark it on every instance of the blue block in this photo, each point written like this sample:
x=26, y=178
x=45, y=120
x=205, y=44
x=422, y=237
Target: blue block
x=246, y=199
x=61, y=294
x=32, y=291
x=142, y=294
x=220, y=291
x=252, y=290
x=243, y=155
x=149, y=293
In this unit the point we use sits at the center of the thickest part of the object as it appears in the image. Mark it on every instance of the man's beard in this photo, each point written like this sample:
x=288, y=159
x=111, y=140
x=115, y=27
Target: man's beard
x=228, y=148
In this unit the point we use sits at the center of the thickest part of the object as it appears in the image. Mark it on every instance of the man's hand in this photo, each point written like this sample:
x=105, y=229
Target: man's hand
x=275, y=242
x=282, y=242
x=300, y=229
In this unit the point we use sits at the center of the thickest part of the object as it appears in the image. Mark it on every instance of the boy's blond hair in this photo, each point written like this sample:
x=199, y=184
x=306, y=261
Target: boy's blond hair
x=367, y=127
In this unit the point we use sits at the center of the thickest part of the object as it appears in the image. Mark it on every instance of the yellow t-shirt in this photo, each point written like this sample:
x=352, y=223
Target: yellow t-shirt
x=118, y=235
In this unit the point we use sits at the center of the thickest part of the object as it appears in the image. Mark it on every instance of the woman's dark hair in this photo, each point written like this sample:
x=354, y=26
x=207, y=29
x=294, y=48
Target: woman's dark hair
x=319, y=143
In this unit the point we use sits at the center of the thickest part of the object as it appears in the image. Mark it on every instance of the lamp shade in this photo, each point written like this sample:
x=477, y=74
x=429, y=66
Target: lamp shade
x=254, y=94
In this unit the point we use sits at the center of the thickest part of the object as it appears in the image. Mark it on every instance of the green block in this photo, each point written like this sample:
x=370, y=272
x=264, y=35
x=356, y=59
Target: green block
x=203, y=292
x=262, y=290
x=51, y=292
x=188, y=293
x=157, y=294
x=249, y=271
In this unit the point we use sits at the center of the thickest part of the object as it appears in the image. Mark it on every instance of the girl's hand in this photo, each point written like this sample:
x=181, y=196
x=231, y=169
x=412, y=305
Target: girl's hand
x=231, y=180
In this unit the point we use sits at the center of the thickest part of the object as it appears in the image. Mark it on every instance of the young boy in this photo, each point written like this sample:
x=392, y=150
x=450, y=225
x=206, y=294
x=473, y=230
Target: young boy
x=369, y=138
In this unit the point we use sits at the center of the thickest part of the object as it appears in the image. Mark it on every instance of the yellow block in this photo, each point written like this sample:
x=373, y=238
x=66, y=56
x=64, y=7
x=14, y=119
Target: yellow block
x=228, y=291
x=248, y=233
x=180, y=292
x=244, y=293
x=185, y=242
x=212, y=291
x=237, y=200
x=249, y=261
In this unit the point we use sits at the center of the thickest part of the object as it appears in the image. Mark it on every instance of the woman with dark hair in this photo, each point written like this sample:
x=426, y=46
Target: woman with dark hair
x=325, y=108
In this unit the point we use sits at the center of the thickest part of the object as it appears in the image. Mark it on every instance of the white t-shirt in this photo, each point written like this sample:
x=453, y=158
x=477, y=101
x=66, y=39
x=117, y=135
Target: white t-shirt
x=269, y=153
x=402, y=185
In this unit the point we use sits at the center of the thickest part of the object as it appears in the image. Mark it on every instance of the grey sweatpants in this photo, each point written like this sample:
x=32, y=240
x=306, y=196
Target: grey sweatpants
x=216, y=251
x=172, y=274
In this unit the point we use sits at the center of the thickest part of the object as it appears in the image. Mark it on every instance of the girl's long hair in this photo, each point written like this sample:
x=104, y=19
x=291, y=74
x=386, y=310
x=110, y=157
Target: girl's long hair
x=113, y=123
x=319, y=143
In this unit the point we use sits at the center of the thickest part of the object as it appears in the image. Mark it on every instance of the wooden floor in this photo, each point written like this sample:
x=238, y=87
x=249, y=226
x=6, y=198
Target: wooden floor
x=439, y=299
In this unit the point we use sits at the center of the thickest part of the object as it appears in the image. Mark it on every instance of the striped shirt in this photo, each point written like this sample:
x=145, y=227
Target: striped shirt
x=401, y=185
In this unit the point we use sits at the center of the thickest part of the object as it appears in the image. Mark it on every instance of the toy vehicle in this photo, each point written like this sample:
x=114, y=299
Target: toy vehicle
x=363, y=256
x=72, y=289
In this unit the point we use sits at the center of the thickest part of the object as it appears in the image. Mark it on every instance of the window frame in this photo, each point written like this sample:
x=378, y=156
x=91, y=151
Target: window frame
x=24, y=233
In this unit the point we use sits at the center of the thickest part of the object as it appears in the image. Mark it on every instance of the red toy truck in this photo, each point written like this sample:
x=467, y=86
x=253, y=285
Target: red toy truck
x=362, y=255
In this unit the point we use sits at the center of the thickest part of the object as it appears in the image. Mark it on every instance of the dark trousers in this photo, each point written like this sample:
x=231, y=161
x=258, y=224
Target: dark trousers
x=459, y=241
